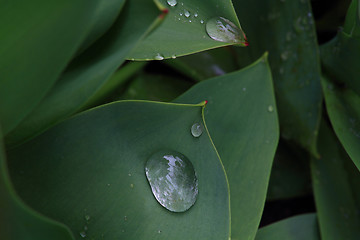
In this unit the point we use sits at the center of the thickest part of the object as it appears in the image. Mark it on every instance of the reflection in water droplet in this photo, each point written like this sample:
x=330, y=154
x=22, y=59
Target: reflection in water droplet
x=158, y=57
x=186, y=13
x=172, y=179
x=83, y=234
x=223, y=30
x=172, y=2
x=196, y=129
x=270, y=108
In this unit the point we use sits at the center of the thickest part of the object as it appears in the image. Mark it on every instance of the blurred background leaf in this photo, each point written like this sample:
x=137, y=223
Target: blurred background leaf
x=286, y=29
x=88, y=73
x=336, y=182
x=37, y=42
x=302, y=227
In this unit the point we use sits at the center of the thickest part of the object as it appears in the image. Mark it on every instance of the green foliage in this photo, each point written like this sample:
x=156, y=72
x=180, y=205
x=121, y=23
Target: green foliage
x=81, y=112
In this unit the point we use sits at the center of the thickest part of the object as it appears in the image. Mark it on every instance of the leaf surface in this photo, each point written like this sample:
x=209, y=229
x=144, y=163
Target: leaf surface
x=88, y=172
x=242, y=120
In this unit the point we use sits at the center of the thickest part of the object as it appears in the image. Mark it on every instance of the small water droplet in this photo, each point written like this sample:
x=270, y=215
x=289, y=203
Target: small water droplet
x=159, y=231
x=196, y=15
x=129, y=174
x=186, y=13
x=189, y=20
x=85, y=228
x=83, y=234
x=173, y=56
x=202, y=21
x=244, y=89
x=172, y=2
x=87, y=217
x=132, y=185
x=223, y=30
x=270, y=108
x=172, y=179
x=125, y=218
x=196, y=129
x=299, y=28
x=180, y=14
x=158, y=57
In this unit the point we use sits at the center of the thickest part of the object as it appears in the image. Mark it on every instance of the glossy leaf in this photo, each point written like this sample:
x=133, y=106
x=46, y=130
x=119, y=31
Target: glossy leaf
x=302, y=227
x=286, y=29
x=183, y=30
x=242, y=120
x=17, y=220
x=33, y=54
x=290, y=174
x=89, y=173
x=343, y=106
x=336, y=187
x=89, y=72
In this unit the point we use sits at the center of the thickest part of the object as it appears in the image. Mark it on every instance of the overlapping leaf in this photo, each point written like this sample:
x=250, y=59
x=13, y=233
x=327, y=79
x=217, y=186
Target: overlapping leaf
x=336, y=188
x=286, y=29
x=89, y=72
x=242, y=120
x=302, y=227
x=36, y=44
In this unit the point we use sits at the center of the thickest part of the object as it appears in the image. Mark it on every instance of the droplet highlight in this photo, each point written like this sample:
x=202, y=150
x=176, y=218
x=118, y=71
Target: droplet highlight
x=270, y=108
x=172, y=179
x=158, y=57
x=172, y=3
x=186, y=13
x=223, y=30
x=196, y=130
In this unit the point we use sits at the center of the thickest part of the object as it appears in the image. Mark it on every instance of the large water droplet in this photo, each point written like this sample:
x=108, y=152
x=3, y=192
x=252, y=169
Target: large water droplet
x=196, y=129
x=172, y=2
x=223, y=30
x=173, y=181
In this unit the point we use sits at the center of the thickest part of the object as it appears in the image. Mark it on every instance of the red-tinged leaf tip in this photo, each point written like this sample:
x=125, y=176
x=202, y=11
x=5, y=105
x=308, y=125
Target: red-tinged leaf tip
x=246, y=43
x=164, y=12
x=206, y=101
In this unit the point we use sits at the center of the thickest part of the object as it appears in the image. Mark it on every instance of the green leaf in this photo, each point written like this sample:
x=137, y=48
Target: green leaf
x=87, y=74
x=89, y=173
x=286, y=29
x=155, y=87
x=343, y=107
x=183, y=30
x=37, y=43
x=105, y=15
x=351, y=25
x=336, y=187
x=290, y=174
x=204, y=65
x=302, y=227
x=340, y=59
x=17, y=220
x=241, y=117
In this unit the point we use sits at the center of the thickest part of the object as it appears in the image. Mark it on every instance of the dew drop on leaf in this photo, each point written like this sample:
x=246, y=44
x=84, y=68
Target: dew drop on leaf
x=187, y=13
x=196, y=129
x=223, y=30
x=158, y=57
x=270, y=108
x=172, y=2
x=83, y=234
x=172, y=179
